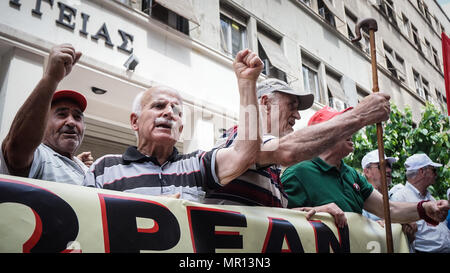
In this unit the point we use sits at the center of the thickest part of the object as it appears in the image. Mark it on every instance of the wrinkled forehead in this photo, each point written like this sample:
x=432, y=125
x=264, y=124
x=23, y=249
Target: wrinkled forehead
x=161, y=93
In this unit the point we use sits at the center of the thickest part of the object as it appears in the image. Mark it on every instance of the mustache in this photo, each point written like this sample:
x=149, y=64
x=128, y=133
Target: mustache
x=68, y=130
x=163, y=121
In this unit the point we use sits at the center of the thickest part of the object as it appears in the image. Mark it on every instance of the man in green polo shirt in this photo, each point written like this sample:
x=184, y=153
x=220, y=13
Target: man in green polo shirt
x=327, y=184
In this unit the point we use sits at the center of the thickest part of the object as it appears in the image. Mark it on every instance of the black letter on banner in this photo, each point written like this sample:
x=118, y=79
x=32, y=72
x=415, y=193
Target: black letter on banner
x=37, y=10
x=278, y=231
x=205, y=239
x=325, y=238
x=103, y=33
x=65, y=19
x=56, y=222
x=121, y=233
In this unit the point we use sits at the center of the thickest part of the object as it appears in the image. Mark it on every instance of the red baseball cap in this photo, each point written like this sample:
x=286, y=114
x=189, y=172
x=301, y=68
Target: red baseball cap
x=74, y=96
x=324, y=114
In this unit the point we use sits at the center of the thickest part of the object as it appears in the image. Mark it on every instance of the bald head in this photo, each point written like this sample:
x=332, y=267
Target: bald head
x=145, y=97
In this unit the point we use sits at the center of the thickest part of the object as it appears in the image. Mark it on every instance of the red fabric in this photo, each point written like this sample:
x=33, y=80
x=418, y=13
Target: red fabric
x=324, y=114
x=446, y=60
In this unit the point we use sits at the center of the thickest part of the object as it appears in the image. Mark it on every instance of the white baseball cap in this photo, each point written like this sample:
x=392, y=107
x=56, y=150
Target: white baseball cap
x=418, y=161
x=270, y=85
x=372, y=157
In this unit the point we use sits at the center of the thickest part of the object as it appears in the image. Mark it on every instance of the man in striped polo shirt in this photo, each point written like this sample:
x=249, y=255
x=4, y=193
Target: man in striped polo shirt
x=280, y=105
x=155, y=167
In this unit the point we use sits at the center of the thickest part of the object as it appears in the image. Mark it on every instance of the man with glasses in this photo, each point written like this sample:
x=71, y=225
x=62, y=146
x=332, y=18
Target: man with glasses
x=420, y=174
x=327, y=184
x=371, y=168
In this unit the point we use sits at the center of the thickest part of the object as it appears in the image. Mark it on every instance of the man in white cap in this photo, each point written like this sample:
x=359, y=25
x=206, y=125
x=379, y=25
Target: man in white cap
x=279, y=109
x=420, y=174
x=49, y=127
x=370, y=164
x=371, y=168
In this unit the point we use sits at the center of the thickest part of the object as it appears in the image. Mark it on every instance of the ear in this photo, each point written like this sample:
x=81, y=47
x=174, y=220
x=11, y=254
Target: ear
x=133, y=121
x=181, y=129
x=265, y=103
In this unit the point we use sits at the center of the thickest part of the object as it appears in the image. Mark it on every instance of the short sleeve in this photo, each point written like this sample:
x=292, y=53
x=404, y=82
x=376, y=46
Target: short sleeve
x=36, y=168
x=297, y=196
x=208, y=169
x=3, y=166
x=366, y=187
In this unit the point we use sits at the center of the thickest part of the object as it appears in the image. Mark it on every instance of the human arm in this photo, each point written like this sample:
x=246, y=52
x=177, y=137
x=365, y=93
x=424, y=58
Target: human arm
x=406, y=212
x=233, y=161
x=311, y=141
x=28, y=127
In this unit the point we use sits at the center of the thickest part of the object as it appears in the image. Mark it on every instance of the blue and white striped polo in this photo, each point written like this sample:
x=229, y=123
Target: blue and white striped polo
x=188, y=174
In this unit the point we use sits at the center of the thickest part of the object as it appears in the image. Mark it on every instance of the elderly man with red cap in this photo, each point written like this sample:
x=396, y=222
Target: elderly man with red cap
x=327, y=184
x=49, y=127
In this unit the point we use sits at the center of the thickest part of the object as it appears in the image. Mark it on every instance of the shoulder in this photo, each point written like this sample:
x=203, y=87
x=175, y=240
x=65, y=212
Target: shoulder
x=106, y=161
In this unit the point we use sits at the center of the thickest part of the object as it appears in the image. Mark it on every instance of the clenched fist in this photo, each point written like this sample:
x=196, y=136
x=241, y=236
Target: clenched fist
x=247, y=65
x=61, y=60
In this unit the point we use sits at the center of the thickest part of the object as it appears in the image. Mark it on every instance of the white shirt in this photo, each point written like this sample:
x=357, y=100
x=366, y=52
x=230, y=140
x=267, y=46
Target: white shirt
x=428, y=238
x=51, y=166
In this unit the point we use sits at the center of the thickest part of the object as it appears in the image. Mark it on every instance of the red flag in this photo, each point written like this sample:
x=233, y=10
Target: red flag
x=446, y=60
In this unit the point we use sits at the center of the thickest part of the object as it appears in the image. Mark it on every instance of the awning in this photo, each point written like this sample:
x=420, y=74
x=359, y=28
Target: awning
x=335, y=89
x=332, y=9
x=395, y=64
x=275, y=54
x=181, y=7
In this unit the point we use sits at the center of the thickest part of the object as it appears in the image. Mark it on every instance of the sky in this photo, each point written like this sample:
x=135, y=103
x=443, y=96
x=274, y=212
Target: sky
x=445, y=4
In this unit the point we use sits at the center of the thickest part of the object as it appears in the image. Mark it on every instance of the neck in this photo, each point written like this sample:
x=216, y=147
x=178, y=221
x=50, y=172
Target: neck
x=421, y=187
x=66, y=154
x=160, y=152
x=331, y=158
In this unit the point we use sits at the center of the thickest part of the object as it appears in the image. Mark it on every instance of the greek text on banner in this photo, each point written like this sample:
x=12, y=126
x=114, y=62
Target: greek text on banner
x=41, y=216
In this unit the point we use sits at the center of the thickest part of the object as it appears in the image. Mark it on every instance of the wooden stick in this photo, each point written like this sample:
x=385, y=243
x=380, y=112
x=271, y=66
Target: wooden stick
x=384, y=186
x=371, y=25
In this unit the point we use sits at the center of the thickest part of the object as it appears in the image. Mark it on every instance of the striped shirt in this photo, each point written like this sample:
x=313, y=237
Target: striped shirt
x=258, y=186
x=188, y=174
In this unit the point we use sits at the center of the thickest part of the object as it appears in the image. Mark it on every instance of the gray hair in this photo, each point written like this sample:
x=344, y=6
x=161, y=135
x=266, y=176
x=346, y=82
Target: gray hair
x=411, y=174
x=137, y=104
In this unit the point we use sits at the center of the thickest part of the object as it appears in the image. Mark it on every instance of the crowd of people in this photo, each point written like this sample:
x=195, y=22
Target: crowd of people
x=244, y=167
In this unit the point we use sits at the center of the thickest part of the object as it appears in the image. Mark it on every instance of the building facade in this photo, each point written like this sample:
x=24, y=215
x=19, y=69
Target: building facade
x=190, y=46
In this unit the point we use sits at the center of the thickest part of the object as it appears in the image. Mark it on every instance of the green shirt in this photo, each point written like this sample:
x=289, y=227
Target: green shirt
x=314, y=183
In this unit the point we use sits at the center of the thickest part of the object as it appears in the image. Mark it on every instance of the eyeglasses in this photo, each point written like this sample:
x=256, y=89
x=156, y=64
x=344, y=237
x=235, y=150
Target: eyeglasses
x=377, y=165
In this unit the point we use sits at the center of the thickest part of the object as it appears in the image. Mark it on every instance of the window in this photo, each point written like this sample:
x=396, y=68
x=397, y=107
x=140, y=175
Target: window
x=416, y=38
x=437, y=62
x=387, y=8
x=311, y=79
x=269, y=49
x=166, y=16
x=422, y=86
x=418, y=84
x=352, y=20
x=406, y=26
x=325, y=12
x=427, y=49
x=336, y=95
x=426, y=90
x=233, y=35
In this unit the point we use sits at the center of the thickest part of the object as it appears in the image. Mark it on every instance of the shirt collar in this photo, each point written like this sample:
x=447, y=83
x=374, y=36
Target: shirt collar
x=133, y=155
x=324, y=166
x=415, y=190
